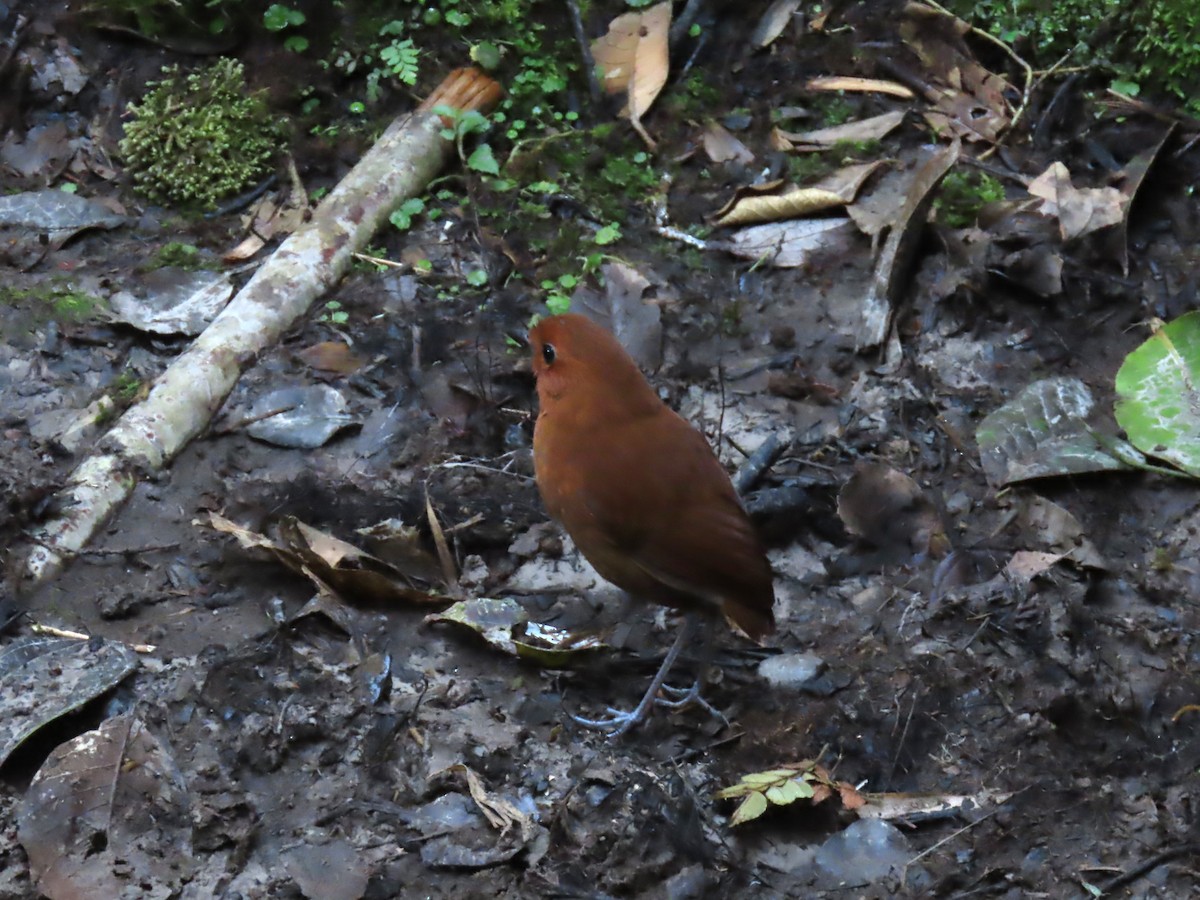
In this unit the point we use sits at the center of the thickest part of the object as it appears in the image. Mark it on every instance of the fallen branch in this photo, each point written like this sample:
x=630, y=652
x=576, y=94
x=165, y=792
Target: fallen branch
x=187, y=395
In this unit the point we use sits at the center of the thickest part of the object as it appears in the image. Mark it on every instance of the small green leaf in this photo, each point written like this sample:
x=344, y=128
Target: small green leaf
x=608, y=234
x=749, y=809
x=477, y=278
x=482, y=160
x=486, y=54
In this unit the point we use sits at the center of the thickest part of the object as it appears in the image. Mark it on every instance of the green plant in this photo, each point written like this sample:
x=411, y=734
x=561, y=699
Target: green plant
x=962, y=194
x=334, y=313
x=180, y=256
x=196, y=138
x=279, y=17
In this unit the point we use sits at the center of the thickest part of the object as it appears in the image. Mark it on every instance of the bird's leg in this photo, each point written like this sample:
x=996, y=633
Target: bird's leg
x=622, y=722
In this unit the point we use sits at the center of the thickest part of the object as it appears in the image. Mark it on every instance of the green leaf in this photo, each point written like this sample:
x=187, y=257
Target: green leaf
x=486, y=54
x=749, y=809
x=477, y=278
x=483, y=161
x=608, y=234
x=1158, y=386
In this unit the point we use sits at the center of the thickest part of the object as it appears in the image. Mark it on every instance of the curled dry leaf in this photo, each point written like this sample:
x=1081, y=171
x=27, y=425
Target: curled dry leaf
x=761, y=205
x=859, y=86
x=335, y=564
x=896, y=258
x=870, y=129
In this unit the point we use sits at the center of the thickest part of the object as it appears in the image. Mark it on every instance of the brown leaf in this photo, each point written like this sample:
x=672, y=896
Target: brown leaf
x=635, y=57
x=331, y=356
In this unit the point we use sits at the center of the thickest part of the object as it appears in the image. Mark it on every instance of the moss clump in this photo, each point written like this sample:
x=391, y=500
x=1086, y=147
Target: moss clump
x=197, y=138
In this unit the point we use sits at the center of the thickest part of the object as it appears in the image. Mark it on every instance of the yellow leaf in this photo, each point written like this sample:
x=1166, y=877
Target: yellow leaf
x=750, y=809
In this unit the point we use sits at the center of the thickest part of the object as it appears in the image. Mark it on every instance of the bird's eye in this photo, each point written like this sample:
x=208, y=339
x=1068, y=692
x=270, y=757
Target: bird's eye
x=548, y=354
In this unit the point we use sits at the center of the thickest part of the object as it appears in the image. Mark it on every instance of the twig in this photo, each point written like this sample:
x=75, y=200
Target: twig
x=1150, y=865
x=946, y=840
x=80, y=636
x=585, y=50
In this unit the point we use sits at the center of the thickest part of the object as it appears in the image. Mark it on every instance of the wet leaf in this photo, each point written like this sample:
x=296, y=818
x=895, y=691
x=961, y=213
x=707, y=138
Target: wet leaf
x=722, y=146
x=889, y=510
x=303, y=417
x=184, y=305
x=333, y=563
x=789, y=244
x=505, y=625
x=106, y=815
x=42, y=679
x=1158, y=386
x=1043, y=432
x=895, y=260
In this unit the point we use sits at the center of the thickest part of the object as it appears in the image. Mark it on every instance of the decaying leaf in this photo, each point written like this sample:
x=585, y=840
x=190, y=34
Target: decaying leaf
x=505, y=625
x=888, y=510
x=634, y=56
x=759, y=205
x=968, y=100
x=721, y=146
x=334, y=563
x=896, y=257
x=1043, y=432
x=107, y=816
x=796, y=242
x=1078, y=210
x=872, y=129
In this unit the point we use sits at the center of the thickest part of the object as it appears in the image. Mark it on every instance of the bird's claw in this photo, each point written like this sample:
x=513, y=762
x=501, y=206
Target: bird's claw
x=622, y=722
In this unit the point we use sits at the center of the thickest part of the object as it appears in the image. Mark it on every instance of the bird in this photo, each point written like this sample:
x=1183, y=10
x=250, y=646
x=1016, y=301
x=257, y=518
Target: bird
x=642, y=495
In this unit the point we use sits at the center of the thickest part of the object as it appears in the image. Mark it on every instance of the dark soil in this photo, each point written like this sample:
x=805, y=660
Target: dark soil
x=317, y=757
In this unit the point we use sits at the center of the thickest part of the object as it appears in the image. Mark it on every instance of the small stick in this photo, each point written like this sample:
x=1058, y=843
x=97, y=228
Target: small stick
x=80, y=636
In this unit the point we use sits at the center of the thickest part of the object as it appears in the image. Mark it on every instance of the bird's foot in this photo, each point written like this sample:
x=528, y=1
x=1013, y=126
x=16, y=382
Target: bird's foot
x=618, y=722
x=681, y=698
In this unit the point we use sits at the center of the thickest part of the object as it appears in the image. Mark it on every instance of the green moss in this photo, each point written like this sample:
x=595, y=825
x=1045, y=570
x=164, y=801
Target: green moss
x=1153, y=46
x=963, y=193
x=54, y=300
x=197, y=138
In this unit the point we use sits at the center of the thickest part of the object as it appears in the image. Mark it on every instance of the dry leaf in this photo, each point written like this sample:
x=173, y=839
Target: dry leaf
x=873, y=128
x=834, y=190
x=774, y=20
x=722, y=146
x=331, y=356
x=789, y=244
x=860, y=86
x=635, y=57
x=1079, y=210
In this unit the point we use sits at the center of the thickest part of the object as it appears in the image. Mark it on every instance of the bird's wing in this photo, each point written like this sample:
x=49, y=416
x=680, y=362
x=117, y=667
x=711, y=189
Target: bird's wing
x=689, y=532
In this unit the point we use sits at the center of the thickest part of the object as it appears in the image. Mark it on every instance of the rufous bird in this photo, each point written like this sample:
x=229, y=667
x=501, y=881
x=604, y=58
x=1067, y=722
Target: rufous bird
x=642, y=495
